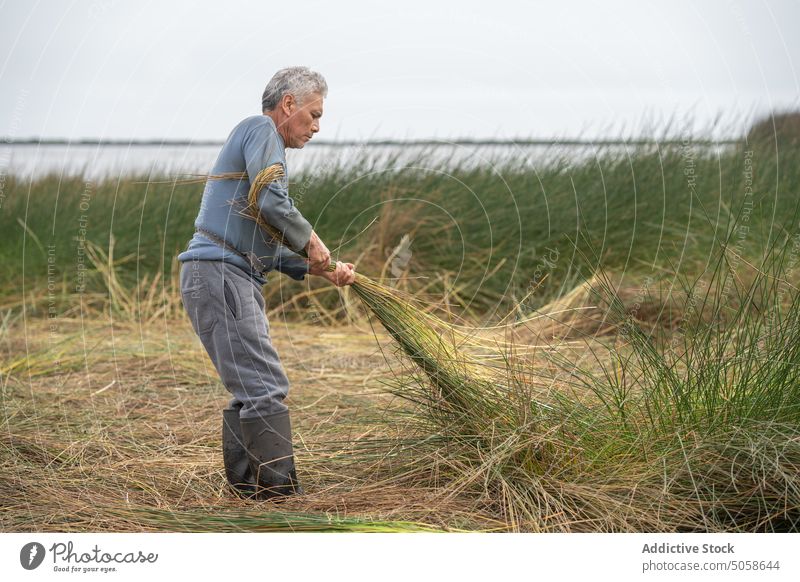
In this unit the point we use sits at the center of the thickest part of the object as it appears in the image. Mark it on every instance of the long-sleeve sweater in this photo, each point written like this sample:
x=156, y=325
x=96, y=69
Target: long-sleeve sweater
x=253, y=145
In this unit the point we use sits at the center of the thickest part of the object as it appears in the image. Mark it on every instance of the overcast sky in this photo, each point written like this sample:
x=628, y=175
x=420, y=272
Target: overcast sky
x=407, y=69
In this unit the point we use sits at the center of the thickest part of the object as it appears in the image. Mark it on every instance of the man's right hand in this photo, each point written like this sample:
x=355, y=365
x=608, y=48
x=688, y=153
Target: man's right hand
x=319, y=257
x=344, y=274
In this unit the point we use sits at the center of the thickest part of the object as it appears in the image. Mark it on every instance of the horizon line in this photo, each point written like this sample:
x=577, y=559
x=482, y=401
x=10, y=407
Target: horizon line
x=378, y=143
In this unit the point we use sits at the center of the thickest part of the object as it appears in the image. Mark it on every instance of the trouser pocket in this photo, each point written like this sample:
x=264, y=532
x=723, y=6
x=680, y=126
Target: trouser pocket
x=197, y=298
x=231, y=299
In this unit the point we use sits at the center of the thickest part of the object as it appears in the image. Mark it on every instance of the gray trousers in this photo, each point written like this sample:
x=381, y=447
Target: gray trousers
x=226, y=309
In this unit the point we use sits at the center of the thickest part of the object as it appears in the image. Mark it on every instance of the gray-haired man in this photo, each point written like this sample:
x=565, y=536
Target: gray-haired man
x=225, y=266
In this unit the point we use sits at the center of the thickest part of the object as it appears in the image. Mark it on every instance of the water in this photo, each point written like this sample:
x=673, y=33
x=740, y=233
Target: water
x=112, y=161
x=106, y=161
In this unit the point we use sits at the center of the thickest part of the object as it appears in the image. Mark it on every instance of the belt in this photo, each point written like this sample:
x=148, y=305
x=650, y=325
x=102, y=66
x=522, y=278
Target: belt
x=251, y=258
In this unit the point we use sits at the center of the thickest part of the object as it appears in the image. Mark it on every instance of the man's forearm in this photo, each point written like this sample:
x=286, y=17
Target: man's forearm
x=280, y=213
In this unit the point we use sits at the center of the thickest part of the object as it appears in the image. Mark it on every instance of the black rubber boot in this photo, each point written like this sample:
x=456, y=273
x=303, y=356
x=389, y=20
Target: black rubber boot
x=237, y=465
x=268, y=441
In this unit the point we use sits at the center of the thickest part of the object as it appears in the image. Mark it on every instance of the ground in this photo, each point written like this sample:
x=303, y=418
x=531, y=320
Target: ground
x=115, y=426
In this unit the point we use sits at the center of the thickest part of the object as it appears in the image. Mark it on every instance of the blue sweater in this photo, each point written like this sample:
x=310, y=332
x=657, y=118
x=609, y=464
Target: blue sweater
x=253, y=145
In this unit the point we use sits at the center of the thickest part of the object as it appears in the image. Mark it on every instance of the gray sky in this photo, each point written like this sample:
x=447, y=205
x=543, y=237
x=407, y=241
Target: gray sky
x=118, y=69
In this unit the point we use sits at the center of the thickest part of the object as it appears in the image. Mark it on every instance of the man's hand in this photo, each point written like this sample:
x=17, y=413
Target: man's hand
x=319, y=257
x=344, y=274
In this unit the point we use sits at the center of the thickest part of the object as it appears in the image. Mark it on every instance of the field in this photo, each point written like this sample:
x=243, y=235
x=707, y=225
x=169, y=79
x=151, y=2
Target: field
x=634, y=315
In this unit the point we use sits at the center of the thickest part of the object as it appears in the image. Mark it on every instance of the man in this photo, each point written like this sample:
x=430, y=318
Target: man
x=226, y=265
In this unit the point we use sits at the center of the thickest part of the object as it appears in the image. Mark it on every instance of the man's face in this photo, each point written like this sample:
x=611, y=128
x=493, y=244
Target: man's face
x=303, y=120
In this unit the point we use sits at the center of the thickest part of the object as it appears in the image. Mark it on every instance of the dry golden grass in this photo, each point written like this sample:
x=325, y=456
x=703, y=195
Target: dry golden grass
x=111, y=422
x=116, y=427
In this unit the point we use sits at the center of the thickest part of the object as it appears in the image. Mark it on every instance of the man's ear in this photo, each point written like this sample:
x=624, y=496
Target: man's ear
x=288, y=103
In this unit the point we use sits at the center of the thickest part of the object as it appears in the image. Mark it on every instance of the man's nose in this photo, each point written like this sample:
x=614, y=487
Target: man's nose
x=315, y=126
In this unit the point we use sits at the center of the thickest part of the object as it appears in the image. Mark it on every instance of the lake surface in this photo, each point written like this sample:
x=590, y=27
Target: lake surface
x=113, y=160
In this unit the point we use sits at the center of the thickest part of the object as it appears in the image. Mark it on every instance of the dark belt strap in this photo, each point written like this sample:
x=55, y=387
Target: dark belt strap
x=251, y=258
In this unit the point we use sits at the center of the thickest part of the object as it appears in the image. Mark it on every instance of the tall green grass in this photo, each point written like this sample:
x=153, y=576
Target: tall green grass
x=484, y=235
x=689, y=427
